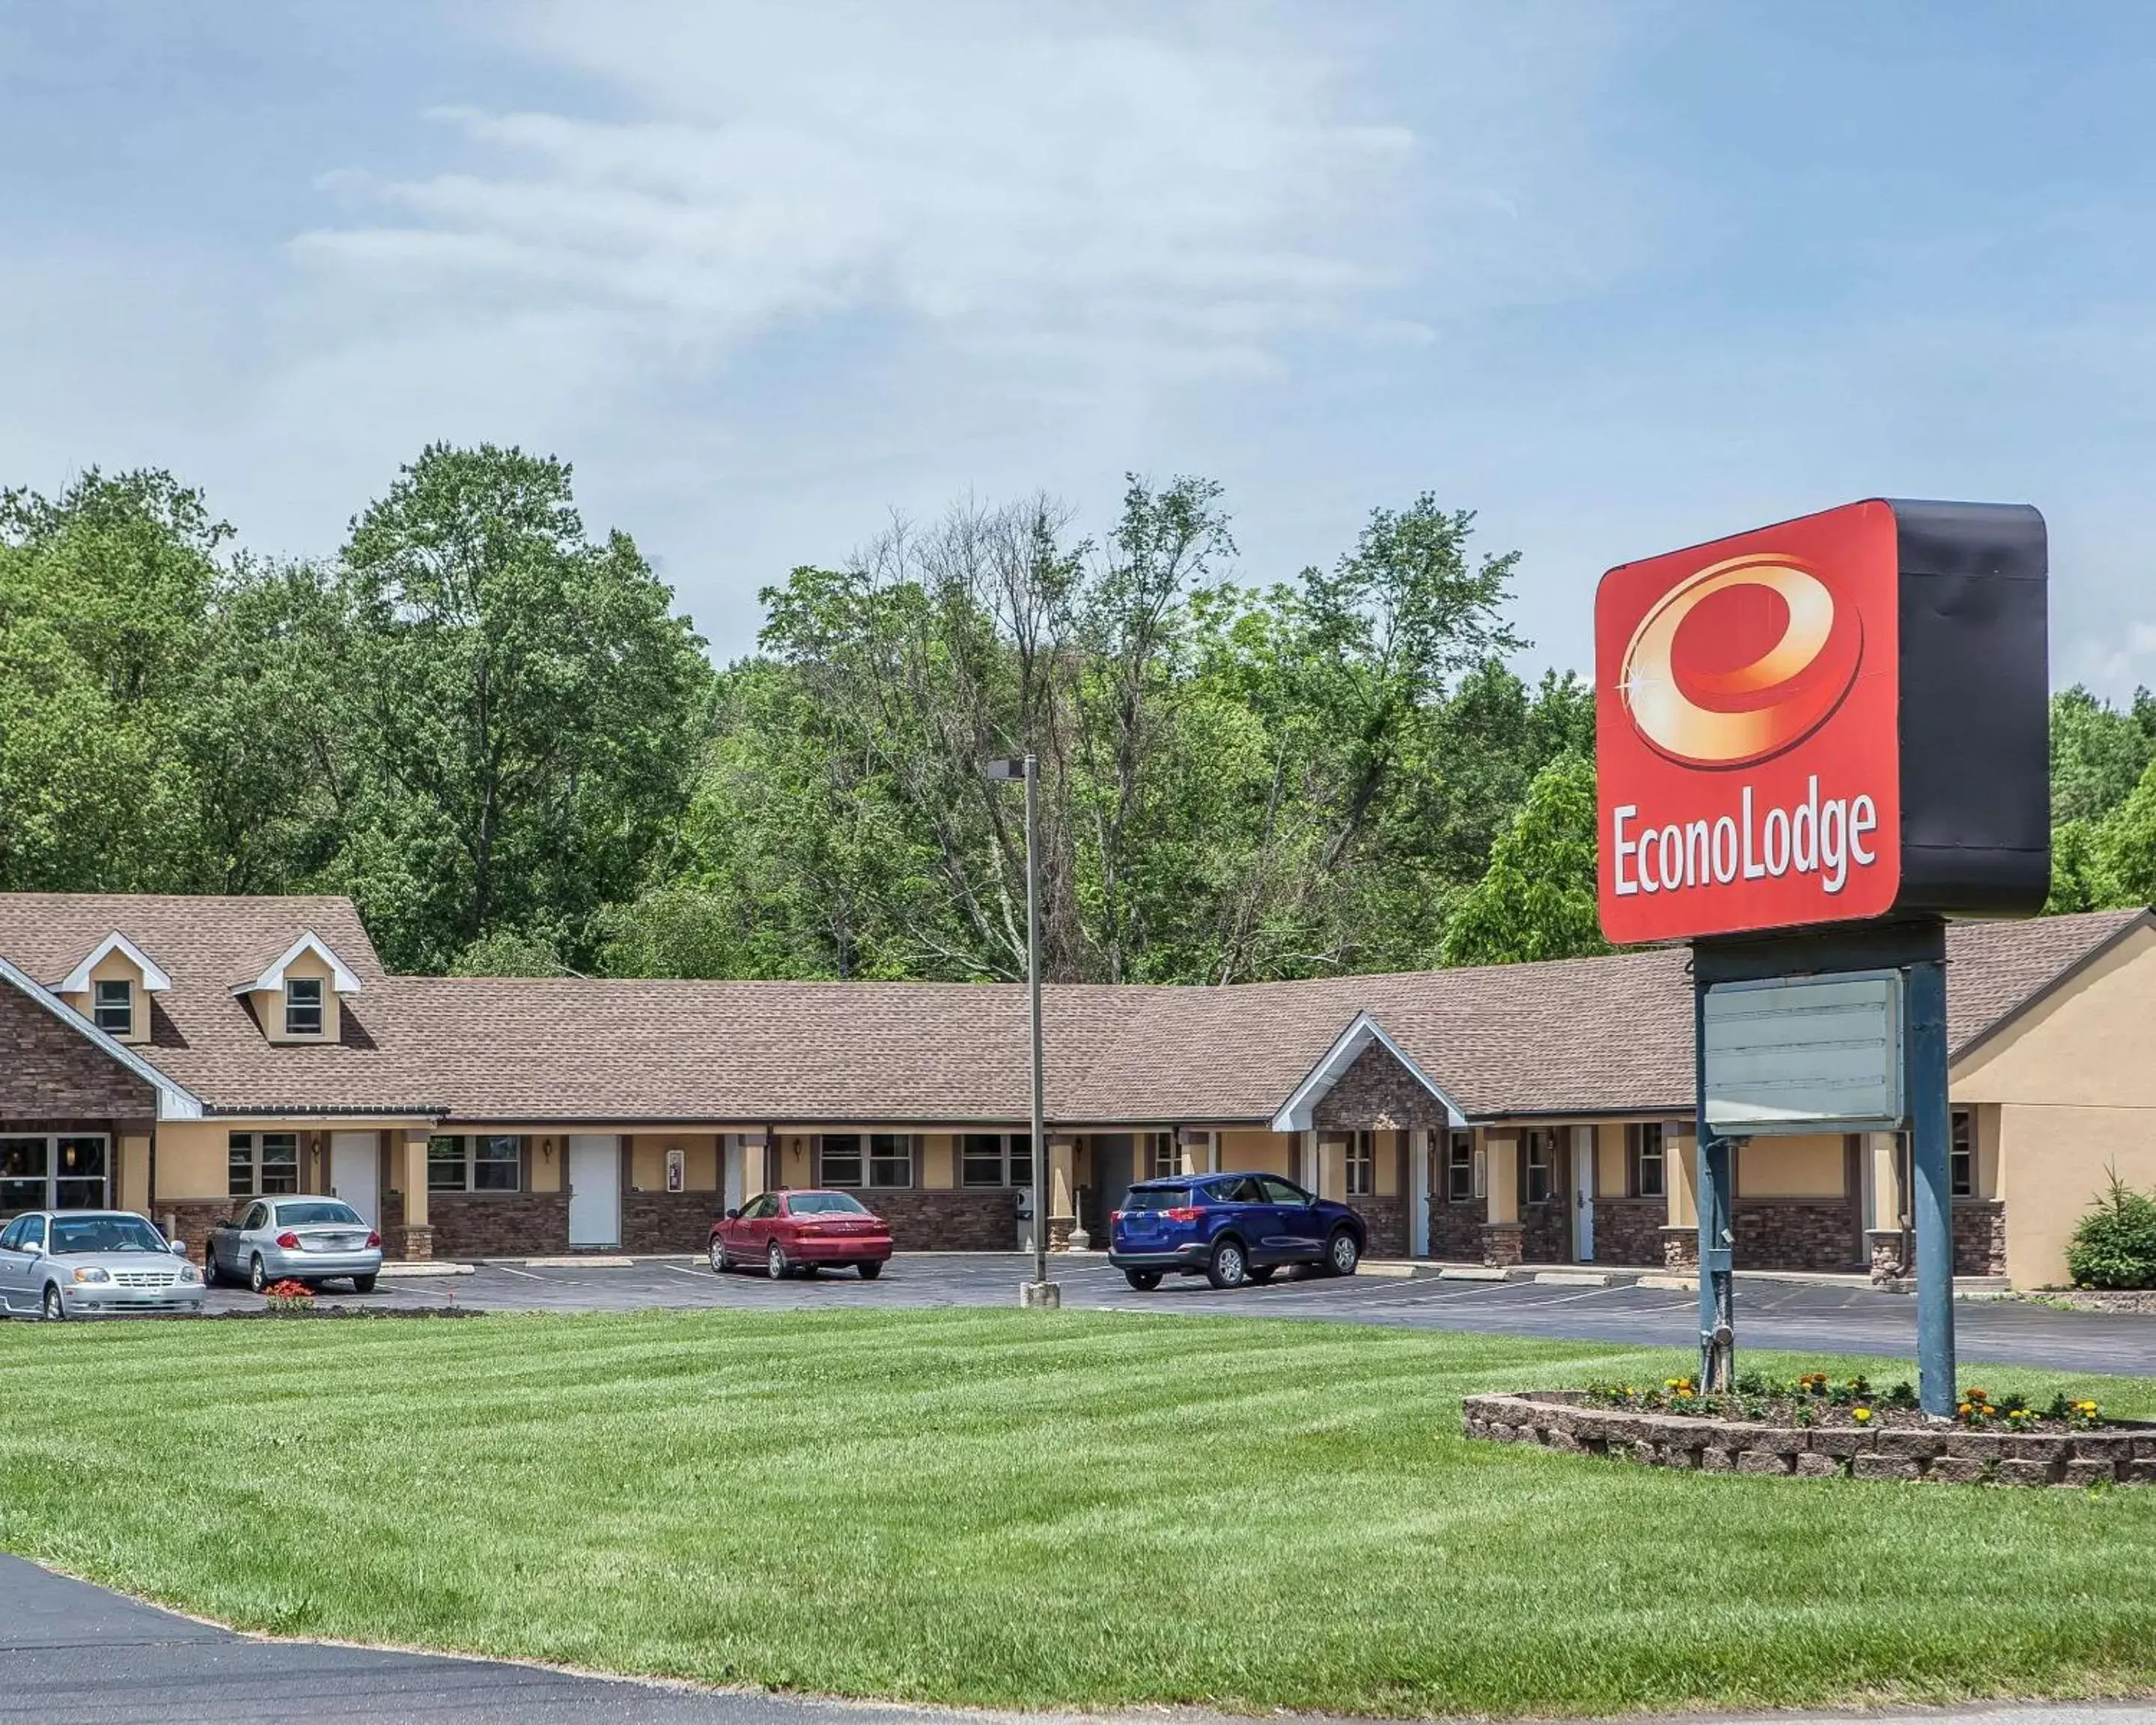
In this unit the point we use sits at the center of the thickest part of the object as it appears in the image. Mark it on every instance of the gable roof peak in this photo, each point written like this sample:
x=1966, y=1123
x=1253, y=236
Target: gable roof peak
x=77, y=980
x=341, y=975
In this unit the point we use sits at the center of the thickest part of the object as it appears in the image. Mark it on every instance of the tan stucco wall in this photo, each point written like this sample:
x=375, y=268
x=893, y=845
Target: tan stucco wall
x=132, y=1167
x=1681, y=1177
x=2074, y=1081
x=647, y=1160
x=939, y=1166
x=194, y=1159
x=1259, y=1153
x=1791, y=1168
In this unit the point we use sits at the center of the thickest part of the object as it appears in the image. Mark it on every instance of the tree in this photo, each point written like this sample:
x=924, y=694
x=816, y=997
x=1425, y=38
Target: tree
x=1536, y=900
x=2122, y=867
x=530, y=707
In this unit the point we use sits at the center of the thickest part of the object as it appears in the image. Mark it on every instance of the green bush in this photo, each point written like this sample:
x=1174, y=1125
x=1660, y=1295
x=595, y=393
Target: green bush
x=2114, y=1246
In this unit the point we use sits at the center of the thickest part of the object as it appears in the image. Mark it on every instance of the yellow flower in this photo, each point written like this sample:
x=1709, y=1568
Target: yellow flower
x=1860, y=1414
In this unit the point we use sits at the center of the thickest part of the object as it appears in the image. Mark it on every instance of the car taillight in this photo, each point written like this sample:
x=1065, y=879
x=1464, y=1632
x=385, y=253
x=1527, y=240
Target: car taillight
x=1114, y=1217
x=289, y=1240
x=1183, y=1213
x=374, y=1238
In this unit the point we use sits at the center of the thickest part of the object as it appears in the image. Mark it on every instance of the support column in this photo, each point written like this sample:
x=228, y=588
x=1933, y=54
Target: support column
x=1062, y=1181
x=1504, y=1236
x=1885, y=1208
x=414, y=1237
x=1681, y=1184
x=1419, y=1192
x=1306, y=1174
x=1930, y=1200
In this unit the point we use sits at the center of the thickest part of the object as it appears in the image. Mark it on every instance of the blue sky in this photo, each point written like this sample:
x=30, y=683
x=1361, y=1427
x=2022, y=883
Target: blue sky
x=1617, y=277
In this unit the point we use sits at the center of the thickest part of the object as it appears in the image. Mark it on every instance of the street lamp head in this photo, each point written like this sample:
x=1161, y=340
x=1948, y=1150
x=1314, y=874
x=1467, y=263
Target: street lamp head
x=1008, y=766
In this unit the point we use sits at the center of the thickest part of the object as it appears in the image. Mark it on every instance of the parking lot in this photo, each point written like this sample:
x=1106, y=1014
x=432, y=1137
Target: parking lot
x=1792, y=1316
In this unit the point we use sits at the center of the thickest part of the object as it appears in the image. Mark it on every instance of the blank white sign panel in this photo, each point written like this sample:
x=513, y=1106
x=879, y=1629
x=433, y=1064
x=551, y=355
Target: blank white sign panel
x=1805, y=1054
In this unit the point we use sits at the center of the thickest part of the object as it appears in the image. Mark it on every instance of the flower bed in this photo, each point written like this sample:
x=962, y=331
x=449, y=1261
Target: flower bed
x=1817, y=1429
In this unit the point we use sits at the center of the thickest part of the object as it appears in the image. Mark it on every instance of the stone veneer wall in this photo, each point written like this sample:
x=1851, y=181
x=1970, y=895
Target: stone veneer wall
x=1628, y=1231
x=668, y=1221
x=191, y=1220
x=1548, y=1240
x=53, y=1072
x=959, y=1219
x=1979, y=1237
x=1384, y=1226
x=1456, y=1231
x=1798, y=1234
x=1946, y=1454
x=1377, y=1094
x=498, y=1225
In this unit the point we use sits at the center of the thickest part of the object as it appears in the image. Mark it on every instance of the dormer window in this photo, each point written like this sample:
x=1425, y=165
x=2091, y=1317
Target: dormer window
x=303, y=1006
x=112, y=1006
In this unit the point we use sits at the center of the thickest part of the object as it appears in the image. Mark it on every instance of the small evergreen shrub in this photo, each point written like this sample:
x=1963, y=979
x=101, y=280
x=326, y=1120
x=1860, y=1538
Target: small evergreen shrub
x=2114, y=1245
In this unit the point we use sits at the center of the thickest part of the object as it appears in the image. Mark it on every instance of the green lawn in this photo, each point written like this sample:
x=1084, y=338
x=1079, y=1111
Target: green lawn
x=1030, y=1508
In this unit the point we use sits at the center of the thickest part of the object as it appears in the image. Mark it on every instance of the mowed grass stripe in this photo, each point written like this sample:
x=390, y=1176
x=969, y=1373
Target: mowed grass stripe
x=1032, y=1509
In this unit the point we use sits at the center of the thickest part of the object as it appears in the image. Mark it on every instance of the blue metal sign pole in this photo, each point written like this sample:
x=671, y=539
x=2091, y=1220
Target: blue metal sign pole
x=1931, y=1199
x=1717, y=1239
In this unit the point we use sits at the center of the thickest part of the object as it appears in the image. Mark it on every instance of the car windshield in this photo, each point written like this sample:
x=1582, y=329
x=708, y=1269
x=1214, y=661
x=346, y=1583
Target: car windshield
x=104, y=1234
x=823, y=1203
x=298, y=1215
x=1157, y=1198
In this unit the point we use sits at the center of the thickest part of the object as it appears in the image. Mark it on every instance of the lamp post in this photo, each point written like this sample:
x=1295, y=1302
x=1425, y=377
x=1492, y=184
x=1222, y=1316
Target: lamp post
x=1040, y=1291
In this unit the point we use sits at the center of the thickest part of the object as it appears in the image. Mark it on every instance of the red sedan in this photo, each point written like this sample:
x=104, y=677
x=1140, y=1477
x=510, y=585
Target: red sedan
x=799, y=1232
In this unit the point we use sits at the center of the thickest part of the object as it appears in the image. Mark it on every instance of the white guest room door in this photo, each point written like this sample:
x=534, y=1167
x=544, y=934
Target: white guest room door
x=594, y=1189
x=355, y=1173
x=1582, y=1184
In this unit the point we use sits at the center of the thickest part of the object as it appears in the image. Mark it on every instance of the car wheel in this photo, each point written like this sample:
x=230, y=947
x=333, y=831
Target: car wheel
x=1341, y=1253
x=775, y=1264
x=363, y=1283
x=869, y=1272
x=56, y=1308
x=1144, y=1280
x=1229, y=1267
x=1263, y=1274
x=716, y=1253
x=213, y=1277
x=257, y=1278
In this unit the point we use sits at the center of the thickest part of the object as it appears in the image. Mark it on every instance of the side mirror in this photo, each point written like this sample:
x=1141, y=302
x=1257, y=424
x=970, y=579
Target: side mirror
x=733, y=1215
x=179, y=1248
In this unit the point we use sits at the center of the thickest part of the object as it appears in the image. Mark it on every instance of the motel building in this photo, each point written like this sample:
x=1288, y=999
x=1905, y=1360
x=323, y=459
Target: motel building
x=173, y=1055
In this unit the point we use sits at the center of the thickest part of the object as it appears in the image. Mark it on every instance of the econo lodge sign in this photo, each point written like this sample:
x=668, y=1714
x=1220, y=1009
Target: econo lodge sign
x=1833, y=719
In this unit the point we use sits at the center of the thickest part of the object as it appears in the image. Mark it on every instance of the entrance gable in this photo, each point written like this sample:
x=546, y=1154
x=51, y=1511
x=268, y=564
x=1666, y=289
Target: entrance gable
x=1366, y=1080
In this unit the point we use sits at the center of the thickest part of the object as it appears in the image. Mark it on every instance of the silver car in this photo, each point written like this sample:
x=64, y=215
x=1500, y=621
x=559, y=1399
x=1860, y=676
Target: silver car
x=308, y=1239
x=72, y=1263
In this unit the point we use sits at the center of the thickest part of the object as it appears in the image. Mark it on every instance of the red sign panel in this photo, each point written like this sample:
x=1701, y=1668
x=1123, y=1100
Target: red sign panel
x=1746, y=745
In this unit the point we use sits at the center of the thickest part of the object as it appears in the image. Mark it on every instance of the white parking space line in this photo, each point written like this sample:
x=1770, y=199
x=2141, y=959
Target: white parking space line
x=683, y=1270
x=525, y=1274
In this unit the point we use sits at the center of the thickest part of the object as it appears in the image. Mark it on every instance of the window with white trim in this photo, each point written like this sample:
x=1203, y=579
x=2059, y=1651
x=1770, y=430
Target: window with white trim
x=1961, y=1155
x=62, y=1171
x=1460, y=1168
x=1540, y=1183
x=1361, y=1164
x=112, y=1006
x=995, y=1159
x=1163, y=1156
x=1645, y=1158
x=879, y=1159
x=259, y=1163
x=303, y=1006
x=486, y=1161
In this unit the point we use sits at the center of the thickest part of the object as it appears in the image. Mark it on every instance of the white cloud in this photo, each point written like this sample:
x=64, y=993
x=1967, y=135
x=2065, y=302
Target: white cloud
x=1015, y=180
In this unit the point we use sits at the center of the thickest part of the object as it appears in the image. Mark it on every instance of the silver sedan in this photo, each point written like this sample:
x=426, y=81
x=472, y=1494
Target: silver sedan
x=69, y=1263
x=308, y=1239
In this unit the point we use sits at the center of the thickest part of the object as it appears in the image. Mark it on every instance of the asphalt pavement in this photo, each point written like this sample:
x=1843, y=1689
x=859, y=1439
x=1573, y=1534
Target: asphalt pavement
x=71, y=1654
x=1799, y=1317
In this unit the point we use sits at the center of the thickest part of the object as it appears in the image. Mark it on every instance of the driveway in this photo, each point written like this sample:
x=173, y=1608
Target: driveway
x=1799, y=1317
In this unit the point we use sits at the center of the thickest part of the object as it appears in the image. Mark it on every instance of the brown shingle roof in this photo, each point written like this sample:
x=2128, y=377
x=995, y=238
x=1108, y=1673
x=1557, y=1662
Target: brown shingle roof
x=204, y=1037
x=1589, y=1035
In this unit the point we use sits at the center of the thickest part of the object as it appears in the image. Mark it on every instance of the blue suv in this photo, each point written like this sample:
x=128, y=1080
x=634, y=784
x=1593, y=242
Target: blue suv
x=1231, y=1229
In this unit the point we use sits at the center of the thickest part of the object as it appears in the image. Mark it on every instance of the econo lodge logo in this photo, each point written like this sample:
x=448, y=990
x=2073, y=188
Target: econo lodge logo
x=1747, y=763
x=1795, y=652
